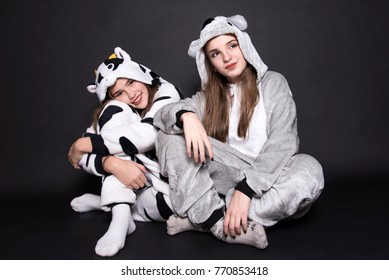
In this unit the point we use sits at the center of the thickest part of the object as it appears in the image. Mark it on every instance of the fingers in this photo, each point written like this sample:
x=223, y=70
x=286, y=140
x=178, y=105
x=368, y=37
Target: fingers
x=232, y=225
x=244, y=224
x=225, y=224
x=201, y=153
x=195, y=148
x=236, y=228
x=72, y=162
x=209, y=148
x=196, y=137
x=137, y=183
x=198, y=148
x=74, y=157
x=236, y=217
x=143, y=179
x=188, y=147
x=142, y=168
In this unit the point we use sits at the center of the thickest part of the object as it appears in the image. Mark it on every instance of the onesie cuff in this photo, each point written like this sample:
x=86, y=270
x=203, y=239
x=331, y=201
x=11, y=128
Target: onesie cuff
x=88, y=134
x=245, y=188
x=178, y=117
x=98, y=146
x=99, y=165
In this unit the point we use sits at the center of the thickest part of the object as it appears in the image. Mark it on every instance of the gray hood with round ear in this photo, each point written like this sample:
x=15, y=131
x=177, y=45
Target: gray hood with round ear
x=225, y=25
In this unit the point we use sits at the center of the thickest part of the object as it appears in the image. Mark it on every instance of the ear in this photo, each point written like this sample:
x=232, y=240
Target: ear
x=193, y=48
x=121, y=53
x=239, y=21
x=91, y=88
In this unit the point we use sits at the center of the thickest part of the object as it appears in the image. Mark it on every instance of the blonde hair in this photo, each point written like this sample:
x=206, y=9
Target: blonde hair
x=218, y=102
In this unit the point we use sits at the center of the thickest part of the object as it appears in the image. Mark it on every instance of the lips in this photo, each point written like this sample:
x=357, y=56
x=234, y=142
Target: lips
x=231, y=66
x=137, y=100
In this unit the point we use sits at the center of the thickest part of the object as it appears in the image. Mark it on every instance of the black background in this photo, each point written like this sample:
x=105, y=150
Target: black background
x=334, y=55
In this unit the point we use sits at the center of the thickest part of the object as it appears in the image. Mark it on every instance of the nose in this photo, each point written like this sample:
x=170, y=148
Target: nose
x=227, y=57
x=130, y=94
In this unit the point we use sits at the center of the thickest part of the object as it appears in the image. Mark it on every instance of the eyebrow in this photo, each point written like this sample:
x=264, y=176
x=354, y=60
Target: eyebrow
x=114, y=94
x=229, y=42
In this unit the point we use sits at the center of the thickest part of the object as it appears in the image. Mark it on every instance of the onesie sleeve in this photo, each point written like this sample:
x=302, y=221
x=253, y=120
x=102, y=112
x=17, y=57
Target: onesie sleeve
x=92, y=163
x=135, y=136
x=115, y=117
x=167, y=119
x=283, y=141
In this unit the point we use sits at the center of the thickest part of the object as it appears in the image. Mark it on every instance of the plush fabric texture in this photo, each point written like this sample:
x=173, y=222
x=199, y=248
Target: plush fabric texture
x=118, y=65
x=284, y=183
x=225, y=25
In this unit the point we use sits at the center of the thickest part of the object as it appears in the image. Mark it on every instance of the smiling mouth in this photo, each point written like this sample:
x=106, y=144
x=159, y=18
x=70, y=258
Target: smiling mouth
x=137, y=100
x=231, y=66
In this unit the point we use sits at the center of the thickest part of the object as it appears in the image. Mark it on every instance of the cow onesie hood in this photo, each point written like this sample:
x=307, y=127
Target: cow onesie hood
x=122, y=132
x=119, y=65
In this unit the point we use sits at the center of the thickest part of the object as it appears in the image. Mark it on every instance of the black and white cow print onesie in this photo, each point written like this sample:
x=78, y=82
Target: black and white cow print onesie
x=123, y=133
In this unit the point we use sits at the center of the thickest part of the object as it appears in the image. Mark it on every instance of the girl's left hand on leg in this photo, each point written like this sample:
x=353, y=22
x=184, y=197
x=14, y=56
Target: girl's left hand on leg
x=236, y=215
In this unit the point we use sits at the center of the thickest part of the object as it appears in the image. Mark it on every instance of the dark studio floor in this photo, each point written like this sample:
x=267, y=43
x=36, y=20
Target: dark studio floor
x=349, y=221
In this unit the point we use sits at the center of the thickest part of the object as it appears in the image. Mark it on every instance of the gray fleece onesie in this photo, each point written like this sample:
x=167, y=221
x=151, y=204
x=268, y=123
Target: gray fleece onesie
x=285, y=183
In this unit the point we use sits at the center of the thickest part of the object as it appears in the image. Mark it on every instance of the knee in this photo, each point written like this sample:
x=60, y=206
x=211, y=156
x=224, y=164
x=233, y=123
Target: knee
x=314, y=172
x=167, y=143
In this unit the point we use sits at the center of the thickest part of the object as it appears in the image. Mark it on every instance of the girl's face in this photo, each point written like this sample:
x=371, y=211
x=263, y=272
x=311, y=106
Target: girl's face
x=131, y=92
x=226, y=57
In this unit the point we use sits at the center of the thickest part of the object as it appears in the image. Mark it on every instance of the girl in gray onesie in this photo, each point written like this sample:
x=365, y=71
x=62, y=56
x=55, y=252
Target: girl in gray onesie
x=236, y=138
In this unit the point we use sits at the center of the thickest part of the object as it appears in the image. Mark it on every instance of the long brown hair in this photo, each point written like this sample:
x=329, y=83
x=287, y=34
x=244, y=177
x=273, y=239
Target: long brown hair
x=152, y=89
x=218, y=102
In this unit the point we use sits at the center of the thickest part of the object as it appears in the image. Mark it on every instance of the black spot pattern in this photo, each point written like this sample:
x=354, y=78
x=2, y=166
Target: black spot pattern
x=154, y=75
x=142, y=68
x=99, y=78
x=163, y=207
x=162, y=98
x=127, y=146
x=113, y=63
x=148, y=120
x=206, y=22
x=108, y=114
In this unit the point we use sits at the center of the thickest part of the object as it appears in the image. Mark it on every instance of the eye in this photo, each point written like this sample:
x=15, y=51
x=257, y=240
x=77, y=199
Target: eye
x=117, y=94
x=130, y=82
x=214, y=54
x=233, y=45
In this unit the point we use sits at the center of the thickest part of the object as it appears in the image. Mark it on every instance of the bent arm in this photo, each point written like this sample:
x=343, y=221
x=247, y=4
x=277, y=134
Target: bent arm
x=136, y=136
x=168, y=118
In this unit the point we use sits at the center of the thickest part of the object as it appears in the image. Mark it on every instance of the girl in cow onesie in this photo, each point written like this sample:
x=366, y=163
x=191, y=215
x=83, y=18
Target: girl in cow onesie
x=130, y=94
x=241, y=130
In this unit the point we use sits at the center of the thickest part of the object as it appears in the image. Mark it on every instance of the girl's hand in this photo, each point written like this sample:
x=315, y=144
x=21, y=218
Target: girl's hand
x=196, y=138
x=129, y=173
x=80, y=147
x=236, y=215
